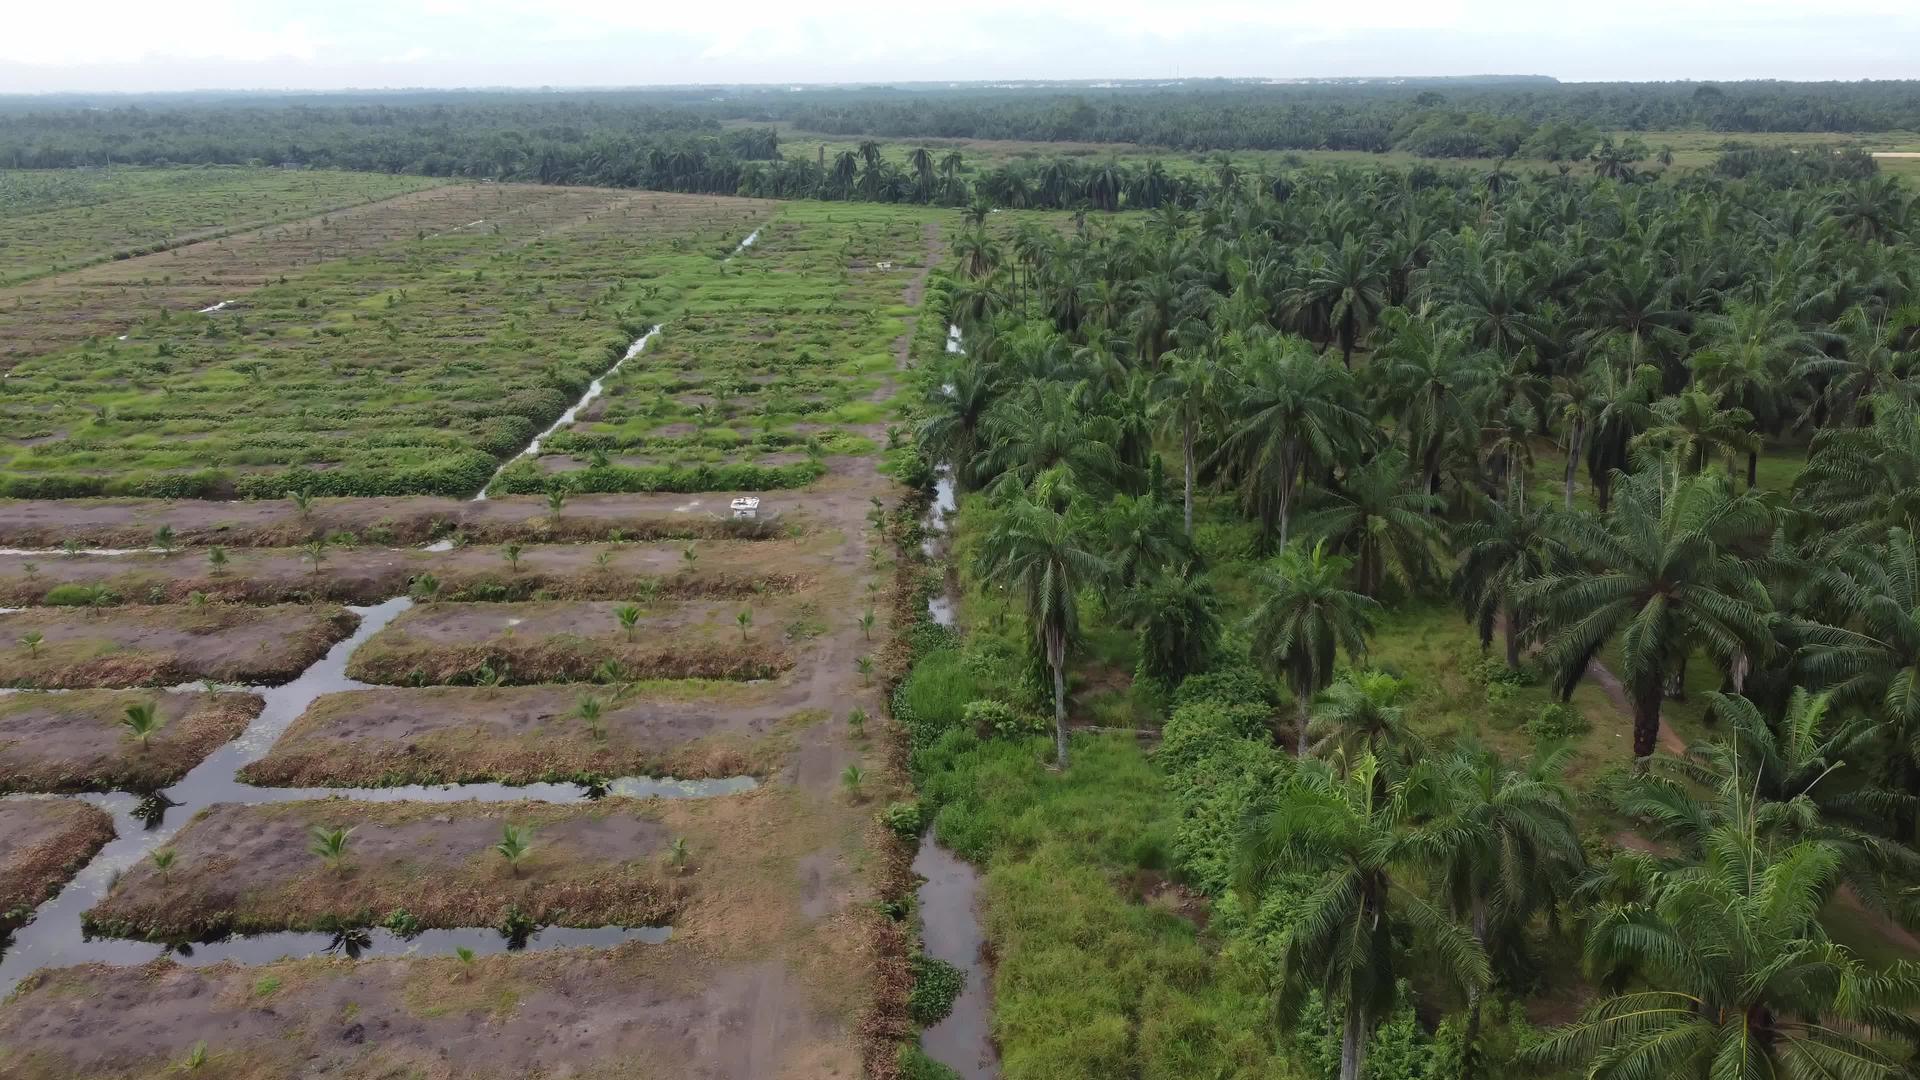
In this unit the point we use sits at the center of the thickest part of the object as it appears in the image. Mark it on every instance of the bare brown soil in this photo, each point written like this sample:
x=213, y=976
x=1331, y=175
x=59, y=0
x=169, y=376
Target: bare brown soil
x=249, y=869
x=366, y=575
x=70, y=742
x=164, y=646
x=116, y=523
x=43, y=842
x=571, y=640
x=524, y=734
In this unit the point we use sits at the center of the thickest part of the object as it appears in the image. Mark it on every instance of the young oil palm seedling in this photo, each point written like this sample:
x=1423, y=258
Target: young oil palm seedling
x=217, y=560
x=31, y=641
x=677, y=854
x=857, y=722
x=603, y=559
x=163, y=860
x=196, y=1058
x=302, y=502
x=511, y=552
x=864, y=666
x=589, y=709
x=315, y=552
x=465, y=956
x=31, y=570
x=425, y=587
x=142, y=720
x=629, y=617
x=331, y=846
x=853, y=779
x=688, y=558
x=745, y=620
x=165, y=540
x=866, y=624
x=515, y=843
x=556, y=502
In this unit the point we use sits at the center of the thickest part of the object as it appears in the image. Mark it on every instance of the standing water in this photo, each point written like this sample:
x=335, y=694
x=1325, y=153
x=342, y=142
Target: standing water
x=141, y=826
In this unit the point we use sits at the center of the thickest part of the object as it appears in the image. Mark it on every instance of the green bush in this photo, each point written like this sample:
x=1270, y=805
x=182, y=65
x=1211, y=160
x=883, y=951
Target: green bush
x=916, y=1065
x=76, y=595
x=936, y=984
x=932, y=700
x=906, y=819
x=1560, y=720
x=1237, y=685
x=997, y=719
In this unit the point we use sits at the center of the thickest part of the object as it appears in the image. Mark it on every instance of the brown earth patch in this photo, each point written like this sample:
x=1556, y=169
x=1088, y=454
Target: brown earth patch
x=70, y=742
x=43, y=842
x=162, y=646
x=571, y=640
x=366, y=575
x=525, y=734
x=248, y=869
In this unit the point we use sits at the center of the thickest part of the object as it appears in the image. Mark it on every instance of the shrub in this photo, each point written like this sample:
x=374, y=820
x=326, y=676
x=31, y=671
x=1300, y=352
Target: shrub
x=1237, y=685
x=906, y=819
x=990, y=719
x=933, y=699
x=916, y=1065
x=1558, y=721
x=936, y=984
x=76, y=595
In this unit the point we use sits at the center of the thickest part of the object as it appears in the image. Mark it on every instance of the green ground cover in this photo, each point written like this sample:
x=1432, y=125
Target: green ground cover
x=409, y=370
x=56, y=221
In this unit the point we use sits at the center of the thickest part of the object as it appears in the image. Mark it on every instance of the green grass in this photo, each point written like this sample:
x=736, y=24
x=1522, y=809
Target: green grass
x=51, y=222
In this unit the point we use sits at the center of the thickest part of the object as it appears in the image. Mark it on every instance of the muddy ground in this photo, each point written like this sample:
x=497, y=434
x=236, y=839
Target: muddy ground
x=43, y=842
x=370, y=574
x=165, y=646
x=69, y=742
x=249, y=869
x=517, y=735
x=114, y=523
x=574, y=640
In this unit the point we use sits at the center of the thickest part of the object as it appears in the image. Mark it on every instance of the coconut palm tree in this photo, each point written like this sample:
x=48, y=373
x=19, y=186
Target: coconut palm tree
x=1305, y=615
x=1046, y=556
x=1342, y=831
x=1661, y=575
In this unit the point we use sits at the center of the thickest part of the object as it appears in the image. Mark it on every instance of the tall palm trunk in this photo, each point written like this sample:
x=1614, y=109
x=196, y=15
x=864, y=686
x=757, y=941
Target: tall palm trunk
x=1304, y=699
x=1753, y=469
x=1057, y=659
x=1575, y=436
x=1510, y=629
x=1186, y=448
x=1353, y=1043
x=1646, y=719
x=1470, y=1045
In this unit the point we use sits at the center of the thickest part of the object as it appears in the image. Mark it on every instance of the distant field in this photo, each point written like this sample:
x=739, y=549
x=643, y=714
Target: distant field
x=1691, y=149
x=56, y=221
x=400, y=349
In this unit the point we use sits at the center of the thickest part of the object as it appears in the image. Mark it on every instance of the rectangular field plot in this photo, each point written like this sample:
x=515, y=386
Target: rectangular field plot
x=42, y=843
x=570, y=641
x=52, y=222
x=83, y=740
x=249, y=869
x=411, y=370
x=131, y=523
x=61, y=647
x=524, y=734
x=369, y=573
x=780, y=362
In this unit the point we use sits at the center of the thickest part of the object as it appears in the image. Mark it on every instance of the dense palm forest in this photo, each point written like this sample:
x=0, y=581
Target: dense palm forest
x=1370, y=371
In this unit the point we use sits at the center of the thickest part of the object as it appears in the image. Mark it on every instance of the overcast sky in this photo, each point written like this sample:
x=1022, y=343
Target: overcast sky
x=331, y=44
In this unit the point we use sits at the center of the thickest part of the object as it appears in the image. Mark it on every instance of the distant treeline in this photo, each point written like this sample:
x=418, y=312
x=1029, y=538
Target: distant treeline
x=617, y=140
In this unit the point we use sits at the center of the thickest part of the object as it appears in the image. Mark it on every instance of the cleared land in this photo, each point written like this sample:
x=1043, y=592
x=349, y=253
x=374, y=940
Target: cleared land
x=42, y=843
x=118, y=214
x=166, y=644
x=77, y=741
x=522, y=734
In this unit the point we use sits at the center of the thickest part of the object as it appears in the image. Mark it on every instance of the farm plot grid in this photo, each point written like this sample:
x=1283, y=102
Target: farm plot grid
x=550, y=839
x=409, y=370
x=53, y=222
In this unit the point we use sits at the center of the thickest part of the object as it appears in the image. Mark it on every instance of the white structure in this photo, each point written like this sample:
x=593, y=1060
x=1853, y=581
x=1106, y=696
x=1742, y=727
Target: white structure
x=746, y=506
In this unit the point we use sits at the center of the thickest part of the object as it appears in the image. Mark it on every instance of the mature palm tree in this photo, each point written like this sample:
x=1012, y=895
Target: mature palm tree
x=1344, y=289
x=1501, y=846
x=1184, y=401
x=1306, y=614
x=1178, y=615
x=1431, y=379
x=1865, y=367
x=1499, y=552
x=1342, y=831
x=1386, y=522
x=951, y=428
x=1047, y=558
x=978, y=253
x=1752, y=349
x=1043, y=428
x=1361, y=713
x=1288, y=412
x=1661, y=575
x=1861, y=480
x=1691, y=427
x=1736, y=978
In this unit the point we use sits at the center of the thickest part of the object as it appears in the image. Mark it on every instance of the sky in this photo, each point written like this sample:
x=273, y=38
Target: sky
x=137, y=45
